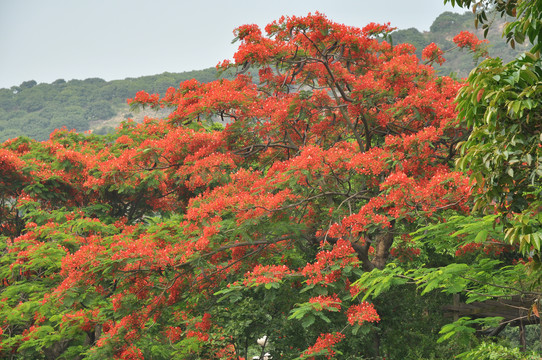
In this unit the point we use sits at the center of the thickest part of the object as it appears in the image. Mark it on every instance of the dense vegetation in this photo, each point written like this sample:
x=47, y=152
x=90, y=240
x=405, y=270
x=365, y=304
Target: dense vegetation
x=345, y=207
x=35, y=110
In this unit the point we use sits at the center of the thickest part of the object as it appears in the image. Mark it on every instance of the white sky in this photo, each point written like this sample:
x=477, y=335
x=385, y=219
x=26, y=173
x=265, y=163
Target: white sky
x=45, y=40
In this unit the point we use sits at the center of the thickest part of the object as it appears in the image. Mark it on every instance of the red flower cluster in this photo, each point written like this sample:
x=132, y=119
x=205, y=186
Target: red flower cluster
x=492, y=247
x=377, y=29
x=364, y=312
x=85, y=320
x=205, y=323
x=323, y=346
x=326, y=302
x=265, y=274
x=144, y=98
x=433, y=53
x=467, y=248
x=130, y=353
x=468, y=40
x=248, y=30
x=320, y=271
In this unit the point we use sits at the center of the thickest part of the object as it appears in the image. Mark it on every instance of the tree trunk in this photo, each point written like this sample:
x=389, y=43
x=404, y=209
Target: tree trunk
x=456, y=305
x=382, y=244
x=382, y=249
x=522, y=340
x=376, y=344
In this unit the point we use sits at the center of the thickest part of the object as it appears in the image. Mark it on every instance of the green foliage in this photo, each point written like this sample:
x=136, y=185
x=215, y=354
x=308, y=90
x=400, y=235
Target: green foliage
x=465, y=327
x=410, y=325
x=379, y=281
x=477, y=275
x=511, y=337
x=492, y=351
x=502, y=103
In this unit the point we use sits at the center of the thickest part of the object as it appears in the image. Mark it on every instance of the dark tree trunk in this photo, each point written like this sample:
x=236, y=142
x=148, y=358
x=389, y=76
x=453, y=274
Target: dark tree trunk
x=522, y=340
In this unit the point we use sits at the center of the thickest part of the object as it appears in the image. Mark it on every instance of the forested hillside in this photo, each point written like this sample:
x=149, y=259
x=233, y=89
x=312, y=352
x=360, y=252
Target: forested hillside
x=35, y=110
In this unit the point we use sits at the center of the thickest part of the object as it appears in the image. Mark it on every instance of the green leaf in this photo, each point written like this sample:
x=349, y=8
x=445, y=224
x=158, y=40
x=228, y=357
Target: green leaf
x=323, y=317
x=481, y=237
x=308, y=321
x=445, y=337
x=355, y=329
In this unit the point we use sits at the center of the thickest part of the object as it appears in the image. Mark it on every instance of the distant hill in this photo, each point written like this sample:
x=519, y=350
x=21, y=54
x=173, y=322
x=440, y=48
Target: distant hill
x=442, y=31
x=35, y=110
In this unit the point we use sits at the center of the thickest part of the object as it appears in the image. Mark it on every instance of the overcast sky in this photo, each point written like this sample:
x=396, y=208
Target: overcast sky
x=46, y=40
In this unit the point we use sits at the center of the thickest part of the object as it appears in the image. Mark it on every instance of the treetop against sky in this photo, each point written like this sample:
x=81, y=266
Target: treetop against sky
x=79, y=40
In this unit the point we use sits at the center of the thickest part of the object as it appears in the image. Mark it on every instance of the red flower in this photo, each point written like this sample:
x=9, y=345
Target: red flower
x=433, y=53
x=264, y=274
x=364, y=312
x=326, y=302
x=466, y=39
x=324, y=345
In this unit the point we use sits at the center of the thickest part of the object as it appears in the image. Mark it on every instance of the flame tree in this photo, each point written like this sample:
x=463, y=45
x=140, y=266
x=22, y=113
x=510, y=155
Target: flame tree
x=184, y=238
